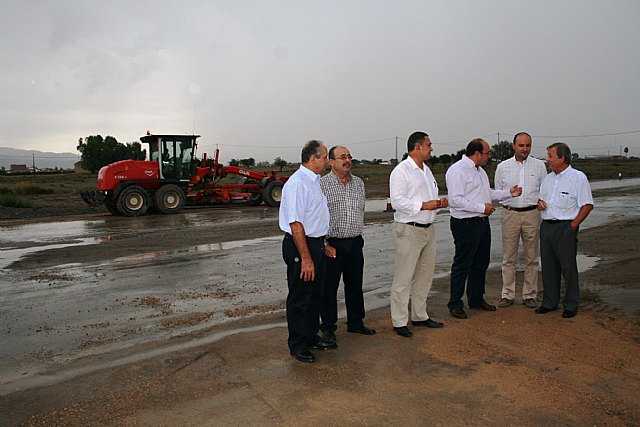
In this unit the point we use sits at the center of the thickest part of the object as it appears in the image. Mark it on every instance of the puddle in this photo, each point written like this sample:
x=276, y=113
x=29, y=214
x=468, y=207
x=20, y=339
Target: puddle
x=10, y=255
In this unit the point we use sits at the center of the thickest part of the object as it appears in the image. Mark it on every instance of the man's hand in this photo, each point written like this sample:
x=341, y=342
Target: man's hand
x=488, y=209
x=444, y=202
x=431, y=205
x=329, y=251
x=515, y=191
x=542, y=205
x=308, y=272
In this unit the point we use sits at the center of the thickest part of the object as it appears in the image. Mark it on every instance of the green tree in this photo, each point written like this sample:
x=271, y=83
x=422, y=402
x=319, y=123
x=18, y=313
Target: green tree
x=445, y=159
x=502, y=151
x=234, y=162
x=97, y=151
x=458, y=155
x=248, y=162
x=279, y=163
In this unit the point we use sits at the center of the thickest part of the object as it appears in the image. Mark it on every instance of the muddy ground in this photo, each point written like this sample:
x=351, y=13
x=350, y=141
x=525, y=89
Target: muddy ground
x=509, y=367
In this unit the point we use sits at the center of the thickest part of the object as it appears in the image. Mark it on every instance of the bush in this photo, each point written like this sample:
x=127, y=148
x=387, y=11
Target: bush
x=26, y=188
x=6, y=190
x=12, y=201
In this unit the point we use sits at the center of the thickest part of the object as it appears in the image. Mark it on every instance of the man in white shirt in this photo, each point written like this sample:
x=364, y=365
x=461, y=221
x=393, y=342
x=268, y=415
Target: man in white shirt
x=565, y=201
x=304, y=217
x=414, y=196
x=470, y=198
x=520, y=219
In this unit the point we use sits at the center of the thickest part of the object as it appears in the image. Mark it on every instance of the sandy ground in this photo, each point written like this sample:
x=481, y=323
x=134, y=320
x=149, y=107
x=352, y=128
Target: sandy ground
x=509, y=367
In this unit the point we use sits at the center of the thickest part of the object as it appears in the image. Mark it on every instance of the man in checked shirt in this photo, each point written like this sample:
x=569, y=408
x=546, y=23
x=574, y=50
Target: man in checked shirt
x=343, y=246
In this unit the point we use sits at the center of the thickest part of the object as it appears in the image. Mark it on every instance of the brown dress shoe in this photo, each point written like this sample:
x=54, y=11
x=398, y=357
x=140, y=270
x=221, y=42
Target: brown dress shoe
x=458, y=312
x=485, y=306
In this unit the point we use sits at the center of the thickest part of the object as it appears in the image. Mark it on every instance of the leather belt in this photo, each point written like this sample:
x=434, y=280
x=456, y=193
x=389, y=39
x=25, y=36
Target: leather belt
x=308, y=237
x=556, y=221
x=417, y=224
x=525, y=209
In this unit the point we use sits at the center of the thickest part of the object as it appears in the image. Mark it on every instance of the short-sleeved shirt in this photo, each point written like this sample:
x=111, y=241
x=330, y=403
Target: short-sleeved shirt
x=565, y=193
x=409, y=186
x=346, y=205
x=469, y=189
x=303, y=202
x=528, y=174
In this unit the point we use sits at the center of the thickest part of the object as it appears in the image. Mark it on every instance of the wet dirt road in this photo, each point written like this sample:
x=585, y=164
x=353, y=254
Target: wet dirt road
x=82, y=288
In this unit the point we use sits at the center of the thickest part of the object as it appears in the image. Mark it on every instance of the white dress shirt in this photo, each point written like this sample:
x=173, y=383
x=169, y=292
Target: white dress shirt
x=528, y=174
x=469, y=189
x=565, y=193
x=303, y=202
x=409, y=186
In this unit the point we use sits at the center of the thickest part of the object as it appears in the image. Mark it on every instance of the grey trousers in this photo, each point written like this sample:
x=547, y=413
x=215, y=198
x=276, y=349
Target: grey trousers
x=558, y=250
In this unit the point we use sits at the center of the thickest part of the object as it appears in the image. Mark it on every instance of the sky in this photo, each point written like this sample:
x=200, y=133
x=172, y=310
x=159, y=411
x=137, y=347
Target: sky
x=260, y=78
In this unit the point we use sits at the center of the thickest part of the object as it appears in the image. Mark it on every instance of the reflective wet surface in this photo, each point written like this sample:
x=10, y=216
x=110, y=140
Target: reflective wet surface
x=68, y=309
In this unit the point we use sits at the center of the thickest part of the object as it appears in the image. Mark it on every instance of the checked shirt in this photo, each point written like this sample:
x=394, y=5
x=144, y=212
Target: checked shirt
x=346, y=205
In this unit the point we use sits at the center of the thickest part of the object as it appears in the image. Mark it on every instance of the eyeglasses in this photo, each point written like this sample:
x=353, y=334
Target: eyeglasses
x=345, y=156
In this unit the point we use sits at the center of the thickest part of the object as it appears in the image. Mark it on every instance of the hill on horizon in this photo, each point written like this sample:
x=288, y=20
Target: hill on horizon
x=43, y=159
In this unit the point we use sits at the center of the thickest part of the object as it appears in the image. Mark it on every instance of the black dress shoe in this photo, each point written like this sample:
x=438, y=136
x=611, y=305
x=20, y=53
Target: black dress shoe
x=329, y=336
x=304, y=356
x=458, y=312
x=429, y=323
x=324, y=345
x=403, y=331
x=568, y=314
x=485, y=306
x=544, y=310
x=363, y=330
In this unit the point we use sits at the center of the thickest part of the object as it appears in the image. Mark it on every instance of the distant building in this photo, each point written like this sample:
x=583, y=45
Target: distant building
x=19, y=169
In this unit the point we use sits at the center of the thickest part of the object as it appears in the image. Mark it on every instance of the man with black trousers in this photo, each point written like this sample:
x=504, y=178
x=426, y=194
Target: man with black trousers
x=304, y=217
x=470, y=203
x=346, y=197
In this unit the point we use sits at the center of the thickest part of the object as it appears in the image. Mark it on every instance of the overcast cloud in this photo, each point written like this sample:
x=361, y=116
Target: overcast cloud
x=260, y=78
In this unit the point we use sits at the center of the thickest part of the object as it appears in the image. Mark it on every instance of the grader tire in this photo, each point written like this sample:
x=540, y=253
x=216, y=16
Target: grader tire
x=169, y=199
x=272, y=194
x=133, y=201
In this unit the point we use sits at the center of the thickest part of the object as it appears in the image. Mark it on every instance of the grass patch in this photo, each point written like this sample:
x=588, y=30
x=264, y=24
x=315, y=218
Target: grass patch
x=30, y=188
x=12, y=201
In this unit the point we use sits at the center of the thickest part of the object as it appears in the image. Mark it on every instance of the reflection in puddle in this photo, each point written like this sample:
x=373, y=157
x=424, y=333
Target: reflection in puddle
x=200, y=249
x=11, y=255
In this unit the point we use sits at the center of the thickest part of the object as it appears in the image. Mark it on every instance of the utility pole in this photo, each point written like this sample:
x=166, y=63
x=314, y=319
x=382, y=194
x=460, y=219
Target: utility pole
x=34, y=162
x=397, y=159
x=498, y=137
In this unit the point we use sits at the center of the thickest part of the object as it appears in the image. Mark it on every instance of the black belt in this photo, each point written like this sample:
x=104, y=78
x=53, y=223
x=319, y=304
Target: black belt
x=473, y=218
x=556, y=221
x=417, y=224
x=308, y=237
x=525, y=209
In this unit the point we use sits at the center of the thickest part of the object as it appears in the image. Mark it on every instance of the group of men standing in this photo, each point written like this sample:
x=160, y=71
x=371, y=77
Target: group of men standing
x=323, y=219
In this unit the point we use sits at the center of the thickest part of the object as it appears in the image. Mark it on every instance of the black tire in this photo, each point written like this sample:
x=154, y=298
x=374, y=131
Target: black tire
x=272, y=193
x=111, y=207
x=133, y=201
x=256, y=198
x=169, y=199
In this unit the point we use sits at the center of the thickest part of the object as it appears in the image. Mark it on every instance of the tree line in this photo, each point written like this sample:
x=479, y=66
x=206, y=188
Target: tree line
x=97, y=152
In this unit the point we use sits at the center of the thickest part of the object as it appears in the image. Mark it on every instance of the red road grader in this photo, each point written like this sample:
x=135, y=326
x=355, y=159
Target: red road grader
x=173, y=177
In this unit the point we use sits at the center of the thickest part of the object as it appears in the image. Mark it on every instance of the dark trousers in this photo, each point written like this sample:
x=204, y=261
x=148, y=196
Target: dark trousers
x=348, y=263
x=472, y=241
x=558, y=250
x=304, y=298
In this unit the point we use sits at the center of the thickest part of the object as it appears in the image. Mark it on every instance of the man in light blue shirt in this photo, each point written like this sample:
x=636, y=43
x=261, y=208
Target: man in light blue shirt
x=565, y=201
x=304, y=217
